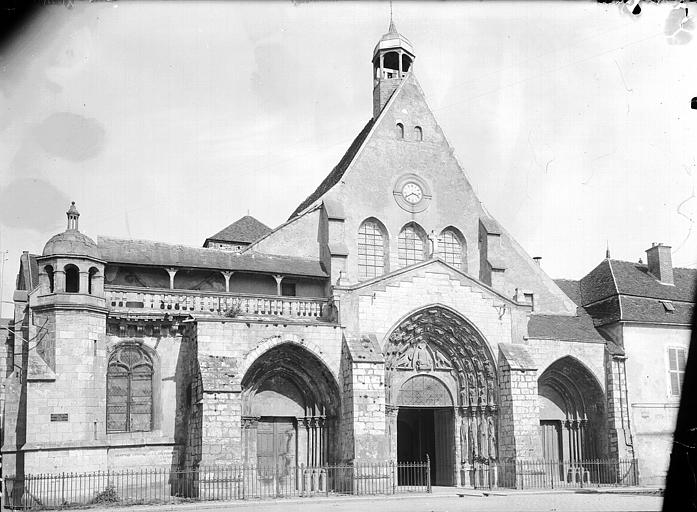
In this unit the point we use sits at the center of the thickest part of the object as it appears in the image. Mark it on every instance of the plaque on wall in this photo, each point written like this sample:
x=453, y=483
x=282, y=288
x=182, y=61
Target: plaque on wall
x=59, y=417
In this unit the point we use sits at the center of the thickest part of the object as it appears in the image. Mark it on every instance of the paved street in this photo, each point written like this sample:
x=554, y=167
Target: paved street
x=440, y=502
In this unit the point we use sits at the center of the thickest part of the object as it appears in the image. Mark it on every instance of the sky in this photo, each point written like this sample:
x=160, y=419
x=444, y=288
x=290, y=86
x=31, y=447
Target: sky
x=170, y=120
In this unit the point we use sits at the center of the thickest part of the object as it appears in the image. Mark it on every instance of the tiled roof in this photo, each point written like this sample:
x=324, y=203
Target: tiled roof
x=564, y=328
x=598, y=284
x=640, y=309
x=611, y=277
x=28, y=272
x=634, y=279
x=335, y=175
x=247, y=230
x=145, y=252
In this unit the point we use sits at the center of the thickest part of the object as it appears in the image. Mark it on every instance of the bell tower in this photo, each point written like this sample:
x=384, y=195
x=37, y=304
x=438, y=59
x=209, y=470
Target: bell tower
x=393, y=60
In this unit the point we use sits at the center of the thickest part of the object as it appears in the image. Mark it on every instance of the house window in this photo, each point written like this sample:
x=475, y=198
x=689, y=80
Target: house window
x=371, y=250
x=450, y=248
x=411, y=245
x=129, y=391
x=677, y=357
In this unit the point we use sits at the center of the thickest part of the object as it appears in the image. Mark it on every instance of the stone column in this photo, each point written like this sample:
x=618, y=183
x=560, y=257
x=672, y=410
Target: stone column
x=278, y=279
x=249, y=438
x=227, y=274
x=172, y=272
x=391, y=413
x=59, y=281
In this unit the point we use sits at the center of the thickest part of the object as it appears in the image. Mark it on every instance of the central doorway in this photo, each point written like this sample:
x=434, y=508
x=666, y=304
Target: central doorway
x=428, y=431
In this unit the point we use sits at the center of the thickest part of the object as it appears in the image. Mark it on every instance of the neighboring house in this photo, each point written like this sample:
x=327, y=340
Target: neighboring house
x=389, y=318
x=645, y=313
x=238, y=235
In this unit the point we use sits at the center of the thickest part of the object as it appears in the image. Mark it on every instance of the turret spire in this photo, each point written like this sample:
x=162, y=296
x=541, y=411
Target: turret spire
x=393, y=59
x=73, y=216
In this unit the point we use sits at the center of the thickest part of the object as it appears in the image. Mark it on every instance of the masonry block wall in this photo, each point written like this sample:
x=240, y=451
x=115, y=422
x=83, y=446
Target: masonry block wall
x=519, y=413
x=619, y=433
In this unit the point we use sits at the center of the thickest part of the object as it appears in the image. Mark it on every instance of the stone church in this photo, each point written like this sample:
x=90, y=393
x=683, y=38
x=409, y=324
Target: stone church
x=389, y=318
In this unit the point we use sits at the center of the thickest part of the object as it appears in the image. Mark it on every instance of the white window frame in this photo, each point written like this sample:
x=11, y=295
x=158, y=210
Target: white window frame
x=680, y=372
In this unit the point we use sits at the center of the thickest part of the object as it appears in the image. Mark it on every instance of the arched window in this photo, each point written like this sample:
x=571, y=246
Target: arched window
x=451, y=248
x=418, y=133
x=400, y=131
x=411, y=245
x=72, y=279
x=371, y=250
x=92, y=278
x=51, y=279
x=129, y=391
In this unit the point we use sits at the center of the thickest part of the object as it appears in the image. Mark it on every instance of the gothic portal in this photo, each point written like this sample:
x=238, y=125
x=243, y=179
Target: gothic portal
x=441, y=390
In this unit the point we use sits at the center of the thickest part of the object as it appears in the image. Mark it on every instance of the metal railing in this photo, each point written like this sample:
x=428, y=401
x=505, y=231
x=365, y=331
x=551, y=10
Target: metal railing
x=232, y=304
x=547, y=474
x=238, y=482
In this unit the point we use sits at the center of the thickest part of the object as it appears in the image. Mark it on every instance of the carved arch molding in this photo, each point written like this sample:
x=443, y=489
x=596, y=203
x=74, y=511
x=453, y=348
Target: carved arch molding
x=440, y=343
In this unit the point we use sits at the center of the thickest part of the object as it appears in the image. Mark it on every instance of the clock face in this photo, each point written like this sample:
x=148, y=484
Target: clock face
x=412, y=193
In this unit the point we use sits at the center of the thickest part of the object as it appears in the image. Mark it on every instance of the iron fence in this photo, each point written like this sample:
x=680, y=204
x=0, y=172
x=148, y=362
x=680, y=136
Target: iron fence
x=547, y=474
x=237, y=482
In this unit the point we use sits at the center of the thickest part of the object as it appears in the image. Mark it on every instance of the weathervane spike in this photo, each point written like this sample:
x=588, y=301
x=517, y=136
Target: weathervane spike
x=607, y=249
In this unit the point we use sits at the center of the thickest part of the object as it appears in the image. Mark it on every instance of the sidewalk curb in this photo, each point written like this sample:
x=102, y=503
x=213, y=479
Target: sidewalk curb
x=456, y=492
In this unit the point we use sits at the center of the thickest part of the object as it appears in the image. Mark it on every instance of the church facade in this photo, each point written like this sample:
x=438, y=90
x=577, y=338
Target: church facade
x=389, y=318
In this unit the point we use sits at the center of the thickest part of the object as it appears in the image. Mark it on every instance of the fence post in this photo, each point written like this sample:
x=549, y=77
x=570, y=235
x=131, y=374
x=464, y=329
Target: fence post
x=428, y=473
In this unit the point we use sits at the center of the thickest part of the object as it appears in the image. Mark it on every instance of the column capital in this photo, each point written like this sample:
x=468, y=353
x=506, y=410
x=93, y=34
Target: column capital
x=391, y=410
x=250, y=422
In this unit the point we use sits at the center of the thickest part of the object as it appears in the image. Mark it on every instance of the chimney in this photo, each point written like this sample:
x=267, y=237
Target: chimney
x=660, y=263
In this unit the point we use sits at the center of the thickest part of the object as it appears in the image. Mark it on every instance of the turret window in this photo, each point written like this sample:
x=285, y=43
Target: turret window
x=91, y=281
x=371, y=250
x=51, y=278
x=72, y=279
x=129, y=391
x=411, y=245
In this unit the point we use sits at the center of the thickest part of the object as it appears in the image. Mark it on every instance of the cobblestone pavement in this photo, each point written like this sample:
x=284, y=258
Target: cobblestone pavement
x=445, y=502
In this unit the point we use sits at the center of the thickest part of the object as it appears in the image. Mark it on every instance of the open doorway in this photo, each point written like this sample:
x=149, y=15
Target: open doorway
x=428, y=431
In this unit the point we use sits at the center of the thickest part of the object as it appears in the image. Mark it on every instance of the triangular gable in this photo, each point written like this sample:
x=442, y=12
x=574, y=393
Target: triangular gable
x=405, y=273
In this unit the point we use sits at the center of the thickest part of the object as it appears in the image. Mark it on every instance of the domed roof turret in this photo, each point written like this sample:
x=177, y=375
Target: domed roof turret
x=71, y=242
x=392, y=40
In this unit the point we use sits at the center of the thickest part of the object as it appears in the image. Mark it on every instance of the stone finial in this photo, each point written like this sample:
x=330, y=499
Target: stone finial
x=73, y=216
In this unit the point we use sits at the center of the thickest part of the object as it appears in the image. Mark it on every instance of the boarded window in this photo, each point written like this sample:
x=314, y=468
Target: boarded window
x=371, y=250
x=676, y=369
x=129, y=391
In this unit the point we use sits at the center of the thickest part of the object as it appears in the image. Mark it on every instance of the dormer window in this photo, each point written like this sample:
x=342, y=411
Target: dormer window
x=668, y=306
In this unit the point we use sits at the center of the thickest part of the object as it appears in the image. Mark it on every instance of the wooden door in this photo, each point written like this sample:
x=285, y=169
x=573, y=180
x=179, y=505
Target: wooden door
x=276, y=454
x=552, y=448
x=444, y=430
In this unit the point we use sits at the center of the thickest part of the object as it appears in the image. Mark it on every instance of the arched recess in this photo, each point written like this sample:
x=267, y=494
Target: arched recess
x=72, y=278
x=452, y=248
x=290, y=409
x=572, y=412
x=440, y=343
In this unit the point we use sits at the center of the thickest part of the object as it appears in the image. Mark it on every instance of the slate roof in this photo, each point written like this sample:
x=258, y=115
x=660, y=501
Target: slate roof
x=622, y=290
x=246, y=230
x=28, y=277
x=612, y=277
x=145, y=252
x=336, y=174
x=564, y=328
